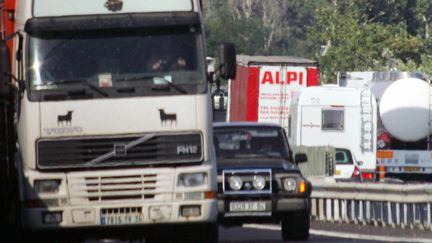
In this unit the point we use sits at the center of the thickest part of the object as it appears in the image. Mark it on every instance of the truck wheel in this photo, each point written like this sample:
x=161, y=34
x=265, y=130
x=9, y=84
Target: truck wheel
x=205, y=233
x=208, y=233
x=295, y=227
x=157, y=240
x=28, y=237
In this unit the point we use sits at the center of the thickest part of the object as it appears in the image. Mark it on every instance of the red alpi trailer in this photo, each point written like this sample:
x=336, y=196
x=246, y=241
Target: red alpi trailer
x=7, y=25
x=264, y=86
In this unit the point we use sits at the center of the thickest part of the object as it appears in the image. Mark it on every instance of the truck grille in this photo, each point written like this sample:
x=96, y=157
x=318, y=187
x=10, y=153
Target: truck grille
x=119, y=151
x=86, y=188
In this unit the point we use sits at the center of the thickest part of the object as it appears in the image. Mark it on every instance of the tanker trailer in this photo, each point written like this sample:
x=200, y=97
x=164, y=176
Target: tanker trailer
x=404, y=121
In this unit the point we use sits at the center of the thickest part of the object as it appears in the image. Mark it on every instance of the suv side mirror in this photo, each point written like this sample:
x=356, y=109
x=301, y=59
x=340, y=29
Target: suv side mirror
x=300, y=158
x=228, y=63
x=5, y=78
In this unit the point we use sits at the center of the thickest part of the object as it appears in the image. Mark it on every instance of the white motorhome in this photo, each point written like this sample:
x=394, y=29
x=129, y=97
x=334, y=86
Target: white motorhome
x=111, y=133
x=337, y=117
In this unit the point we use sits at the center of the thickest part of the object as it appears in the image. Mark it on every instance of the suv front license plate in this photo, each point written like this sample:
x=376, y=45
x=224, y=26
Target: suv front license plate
x=247, y=207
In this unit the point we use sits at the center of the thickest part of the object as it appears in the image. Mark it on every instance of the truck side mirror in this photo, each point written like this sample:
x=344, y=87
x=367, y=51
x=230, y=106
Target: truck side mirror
x=300, y=158
x=211, y=63
x=228, y=63
x=5, y=77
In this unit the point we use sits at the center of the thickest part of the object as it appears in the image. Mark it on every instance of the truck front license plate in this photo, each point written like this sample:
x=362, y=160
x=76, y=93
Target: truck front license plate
x=121, y=219
x=247, y=206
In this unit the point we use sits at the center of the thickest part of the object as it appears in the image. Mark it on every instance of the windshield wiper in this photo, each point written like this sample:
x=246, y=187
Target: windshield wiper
x=83, y=81
x=157, y=87
x=270, y=155
x=126, y=90
x=168, y=84
x=136, y=78
x=76, y=93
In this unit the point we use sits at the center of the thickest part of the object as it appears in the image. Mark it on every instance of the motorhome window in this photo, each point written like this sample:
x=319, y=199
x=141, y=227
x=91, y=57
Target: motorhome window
x=250, y=142
x=116, y=59
x=333, y=120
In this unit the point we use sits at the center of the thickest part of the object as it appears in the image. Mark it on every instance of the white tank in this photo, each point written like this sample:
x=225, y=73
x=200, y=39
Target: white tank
x=404, y=109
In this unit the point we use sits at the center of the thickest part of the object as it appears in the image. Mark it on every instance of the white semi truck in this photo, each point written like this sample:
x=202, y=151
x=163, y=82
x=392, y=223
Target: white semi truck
x=404, y=120
x=113, y=118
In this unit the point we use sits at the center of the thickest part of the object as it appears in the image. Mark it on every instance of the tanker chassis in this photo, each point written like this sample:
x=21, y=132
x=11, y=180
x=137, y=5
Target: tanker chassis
x=114, y=132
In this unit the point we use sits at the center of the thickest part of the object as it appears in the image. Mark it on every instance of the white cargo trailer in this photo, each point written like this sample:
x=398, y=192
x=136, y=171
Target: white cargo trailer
x=338, y=117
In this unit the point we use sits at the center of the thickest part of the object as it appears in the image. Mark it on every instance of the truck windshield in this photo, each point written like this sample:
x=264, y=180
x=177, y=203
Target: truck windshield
x=113, y=63
x=250, y=142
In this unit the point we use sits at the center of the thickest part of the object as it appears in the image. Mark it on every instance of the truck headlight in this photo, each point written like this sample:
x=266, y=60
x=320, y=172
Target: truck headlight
x=47, y=186
x=192, y=179
x=289, y=184
x=235, y=182
x=259, y=182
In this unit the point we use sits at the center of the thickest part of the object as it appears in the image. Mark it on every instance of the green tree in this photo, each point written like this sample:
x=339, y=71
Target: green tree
x=262, y=27
x=358, y=36
x=344, y=35
x=247, y=34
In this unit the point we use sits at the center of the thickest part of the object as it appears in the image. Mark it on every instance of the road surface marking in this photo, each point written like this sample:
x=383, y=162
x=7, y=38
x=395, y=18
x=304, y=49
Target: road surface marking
x=344, y=235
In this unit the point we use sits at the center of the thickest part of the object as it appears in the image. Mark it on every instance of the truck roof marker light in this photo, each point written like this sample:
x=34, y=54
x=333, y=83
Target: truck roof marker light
x=302, y=187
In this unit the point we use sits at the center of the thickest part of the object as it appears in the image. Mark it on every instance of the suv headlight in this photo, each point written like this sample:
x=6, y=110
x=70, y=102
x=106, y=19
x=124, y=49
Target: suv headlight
x=192, y=179
x=47, y=186
x=235, y=182
x=259, y=182
x=289, y=184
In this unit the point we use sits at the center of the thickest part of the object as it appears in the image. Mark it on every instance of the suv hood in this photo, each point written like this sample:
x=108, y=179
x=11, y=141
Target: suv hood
x=281, y=165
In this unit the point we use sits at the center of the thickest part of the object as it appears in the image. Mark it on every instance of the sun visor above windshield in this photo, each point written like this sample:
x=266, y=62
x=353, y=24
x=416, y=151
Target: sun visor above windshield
x=51, y=8
x=118, y=21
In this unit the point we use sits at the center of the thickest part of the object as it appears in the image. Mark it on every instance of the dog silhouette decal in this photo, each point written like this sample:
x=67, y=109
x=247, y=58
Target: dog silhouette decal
x=114, y=5
x=65, y=119
x=165, y=117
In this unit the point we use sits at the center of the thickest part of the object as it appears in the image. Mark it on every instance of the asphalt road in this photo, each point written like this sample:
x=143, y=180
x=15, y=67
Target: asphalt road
x=320, y=233
x=251, y=234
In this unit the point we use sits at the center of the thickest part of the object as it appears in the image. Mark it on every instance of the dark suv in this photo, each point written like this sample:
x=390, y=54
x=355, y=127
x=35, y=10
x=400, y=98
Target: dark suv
x=258, y=179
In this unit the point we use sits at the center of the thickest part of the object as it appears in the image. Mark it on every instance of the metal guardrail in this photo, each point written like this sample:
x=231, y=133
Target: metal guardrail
x=387, y=205
x=320, y=160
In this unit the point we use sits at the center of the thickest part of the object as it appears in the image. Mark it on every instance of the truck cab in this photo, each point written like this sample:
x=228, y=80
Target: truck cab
x=114, y=117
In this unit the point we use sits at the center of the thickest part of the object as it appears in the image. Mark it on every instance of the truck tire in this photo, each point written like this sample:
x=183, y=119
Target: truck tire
x=295, y=227
x=212, y=235
x=208, y=233
x=202, y=233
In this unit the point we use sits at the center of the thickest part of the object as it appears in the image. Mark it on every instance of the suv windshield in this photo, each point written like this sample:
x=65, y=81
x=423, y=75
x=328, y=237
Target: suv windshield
x=244, y=142
x=112, y=63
